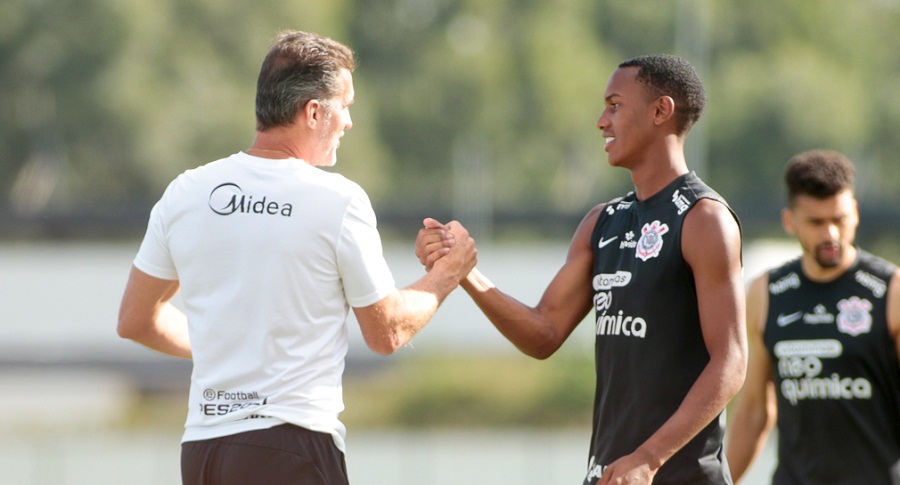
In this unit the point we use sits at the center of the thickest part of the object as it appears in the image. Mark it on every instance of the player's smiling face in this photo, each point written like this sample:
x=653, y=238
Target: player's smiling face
x=627, y=119
x=825, y=228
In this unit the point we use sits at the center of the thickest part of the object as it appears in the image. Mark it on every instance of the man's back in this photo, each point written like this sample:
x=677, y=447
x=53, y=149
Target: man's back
x=268, y=252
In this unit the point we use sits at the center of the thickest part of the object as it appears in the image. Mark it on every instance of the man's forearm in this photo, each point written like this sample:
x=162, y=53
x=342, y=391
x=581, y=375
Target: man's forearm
x=167, y=334
x=519, y=323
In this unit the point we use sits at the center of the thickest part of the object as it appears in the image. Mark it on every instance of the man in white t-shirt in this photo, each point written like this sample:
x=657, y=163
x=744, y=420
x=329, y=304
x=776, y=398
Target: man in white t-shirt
x=269, y=253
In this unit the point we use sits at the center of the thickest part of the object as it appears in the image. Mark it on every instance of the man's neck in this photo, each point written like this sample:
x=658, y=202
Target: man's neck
x=276, y=143
x=659, y=168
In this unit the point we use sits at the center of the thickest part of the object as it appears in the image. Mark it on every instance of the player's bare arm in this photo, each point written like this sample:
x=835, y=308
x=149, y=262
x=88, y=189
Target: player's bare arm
x=147, y=316
x=537, y=331
x=711, y=244
x=756, y=409
x=541, y=330
x=893, y=308
x=391, y=322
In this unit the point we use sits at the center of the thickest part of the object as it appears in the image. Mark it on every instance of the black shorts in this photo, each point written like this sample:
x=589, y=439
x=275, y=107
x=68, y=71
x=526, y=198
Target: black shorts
x=282, y=455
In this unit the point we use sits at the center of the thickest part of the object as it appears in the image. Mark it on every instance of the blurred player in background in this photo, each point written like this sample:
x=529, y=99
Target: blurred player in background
x=824, y=333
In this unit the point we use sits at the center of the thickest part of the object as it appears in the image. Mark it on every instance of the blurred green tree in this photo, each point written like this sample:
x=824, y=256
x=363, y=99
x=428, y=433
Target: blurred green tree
x=464, y=107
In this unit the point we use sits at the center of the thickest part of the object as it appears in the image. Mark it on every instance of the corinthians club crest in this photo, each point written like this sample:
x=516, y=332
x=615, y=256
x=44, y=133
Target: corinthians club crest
x=855, y=317
x=651, y=240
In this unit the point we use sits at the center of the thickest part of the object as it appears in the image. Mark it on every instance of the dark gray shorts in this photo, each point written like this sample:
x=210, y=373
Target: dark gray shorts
x=282, y=455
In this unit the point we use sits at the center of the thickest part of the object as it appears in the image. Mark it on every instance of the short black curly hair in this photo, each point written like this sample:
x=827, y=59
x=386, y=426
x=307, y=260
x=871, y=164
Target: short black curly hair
x=668, y=75
x=818, y=173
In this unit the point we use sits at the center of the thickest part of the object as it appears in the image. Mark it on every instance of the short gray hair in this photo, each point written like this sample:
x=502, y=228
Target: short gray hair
x=299, y=67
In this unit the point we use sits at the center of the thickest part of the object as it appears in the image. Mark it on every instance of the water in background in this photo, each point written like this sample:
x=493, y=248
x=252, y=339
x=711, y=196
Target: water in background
x=65, y=376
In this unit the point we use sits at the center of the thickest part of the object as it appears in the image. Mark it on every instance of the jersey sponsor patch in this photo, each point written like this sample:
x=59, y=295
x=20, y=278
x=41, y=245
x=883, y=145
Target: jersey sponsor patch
x=823, y=348
x=800, y=365
x=221, y=402
x=595, y=470
x=855, y=316
x=785, y=283
x=651, y=241
x=820, y=315
x=621, y=324
x=680, y=201
x=877, y=285
x=228, y=198
x=606, y=281
x=617, y=204
x=629, y=241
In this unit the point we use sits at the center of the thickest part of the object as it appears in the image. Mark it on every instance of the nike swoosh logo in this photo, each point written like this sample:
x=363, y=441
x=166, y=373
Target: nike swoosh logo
x=605, y=243
x=785, y=320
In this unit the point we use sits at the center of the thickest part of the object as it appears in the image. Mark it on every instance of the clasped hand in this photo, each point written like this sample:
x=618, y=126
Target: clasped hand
x=447, y=245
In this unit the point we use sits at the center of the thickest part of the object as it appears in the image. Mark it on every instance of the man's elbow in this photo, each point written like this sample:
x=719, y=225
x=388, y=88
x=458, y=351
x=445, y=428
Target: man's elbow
x=540, y=352
x=541, y=344
x=124, y=330
x=383, y=344
x=128, y=327
x=736, y=372
x=382, y=349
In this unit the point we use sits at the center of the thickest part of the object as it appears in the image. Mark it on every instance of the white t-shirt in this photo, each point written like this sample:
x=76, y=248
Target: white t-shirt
x=270, y=255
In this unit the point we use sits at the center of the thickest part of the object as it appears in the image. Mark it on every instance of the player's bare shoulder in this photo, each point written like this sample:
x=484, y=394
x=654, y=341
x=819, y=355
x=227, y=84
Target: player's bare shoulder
x=710, y=214
x=580, y=245
x=710, y=229
x=593, y=215
x=758, y=302
x=893, y=306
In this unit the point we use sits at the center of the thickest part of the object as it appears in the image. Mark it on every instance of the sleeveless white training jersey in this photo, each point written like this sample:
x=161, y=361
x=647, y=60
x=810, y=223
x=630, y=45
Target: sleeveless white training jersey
x=270, y=255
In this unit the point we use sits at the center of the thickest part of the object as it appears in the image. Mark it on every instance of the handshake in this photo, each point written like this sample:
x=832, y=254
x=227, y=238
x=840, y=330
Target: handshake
x=446, y=247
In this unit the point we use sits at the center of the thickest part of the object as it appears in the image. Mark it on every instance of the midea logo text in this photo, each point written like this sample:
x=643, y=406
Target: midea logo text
x=228, y=198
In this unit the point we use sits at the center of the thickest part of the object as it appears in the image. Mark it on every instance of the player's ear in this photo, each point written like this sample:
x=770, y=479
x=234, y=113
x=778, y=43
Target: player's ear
x=311, y=113
x=787, y=221
x=664, y=109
